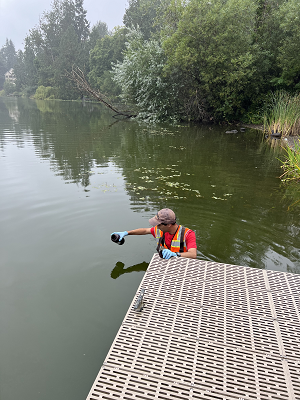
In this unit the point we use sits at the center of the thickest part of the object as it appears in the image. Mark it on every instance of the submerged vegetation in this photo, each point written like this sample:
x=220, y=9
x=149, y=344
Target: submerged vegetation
x=172, y=60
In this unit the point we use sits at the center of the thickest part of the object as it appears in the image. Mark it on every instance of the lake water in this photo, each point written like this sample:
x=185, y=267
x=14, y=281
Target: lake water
x=70, y=175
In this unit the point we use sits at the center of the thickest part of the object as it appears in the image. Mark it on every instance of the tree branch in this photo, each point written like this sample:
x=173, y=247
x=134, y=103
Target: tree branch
x=77, y=76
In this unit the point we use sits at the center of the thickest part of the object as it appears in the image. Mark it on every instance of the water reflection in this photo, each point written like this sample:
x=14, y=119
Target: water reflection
x=120, y=270
x=226, y=187
x=69, y=176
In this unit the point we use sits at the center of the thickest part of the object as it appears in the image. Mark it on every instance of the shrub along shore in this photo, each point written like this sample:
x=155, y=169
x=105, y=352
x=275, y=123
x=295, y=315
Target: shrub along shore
x=171, y=60
x=282, y=114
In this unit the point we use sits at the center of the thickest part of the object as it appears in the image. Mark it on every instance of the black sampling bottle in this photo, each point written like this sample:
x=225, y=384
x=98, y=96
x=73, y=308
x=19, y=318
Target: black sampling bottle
x=115, y=238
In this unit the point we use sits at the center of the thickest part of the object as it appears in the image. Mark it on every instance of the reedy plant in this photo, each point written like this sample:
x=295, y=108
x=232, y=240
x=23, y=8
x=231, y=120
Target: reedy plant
x=291, y=164
x=282, y=114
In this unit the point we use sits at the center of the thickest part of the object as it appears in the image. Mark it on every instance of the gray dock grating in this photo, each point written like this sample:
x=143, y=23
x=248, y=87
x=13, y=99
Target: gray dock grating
x=207, y=331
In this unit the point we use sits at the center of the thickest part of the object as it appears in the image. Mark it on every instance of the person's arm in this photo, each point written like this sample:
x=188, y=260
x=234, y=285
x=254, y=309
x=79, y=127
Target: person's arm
x=191, y=245
x=191, y=253
x=140, y=231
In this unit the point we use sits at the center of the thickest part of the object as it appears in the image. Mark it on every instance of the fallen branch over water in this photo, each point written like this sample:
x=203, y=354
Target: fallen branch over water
x=77, y=76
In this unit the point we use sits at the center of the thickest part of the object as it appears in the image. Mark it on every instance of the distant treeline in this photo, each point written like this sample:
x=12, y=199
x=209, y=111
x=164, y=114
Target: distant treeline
x=172, y=59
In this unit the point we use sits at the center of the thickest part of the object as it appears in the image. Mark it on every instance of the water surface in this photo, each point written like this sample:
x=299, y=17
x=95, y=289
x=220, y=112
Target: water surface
x=69, y=176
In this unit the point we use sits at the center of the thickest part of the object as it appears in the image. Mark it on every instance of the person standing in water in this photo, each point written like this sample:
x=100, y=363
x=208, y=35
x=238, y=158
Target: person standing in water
x=173, y=240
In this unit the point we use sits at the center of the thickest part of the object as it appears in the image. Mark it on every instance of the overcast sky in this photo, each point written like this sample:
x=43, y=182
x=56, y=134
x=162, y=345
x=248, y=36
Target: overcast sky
x=18, y=16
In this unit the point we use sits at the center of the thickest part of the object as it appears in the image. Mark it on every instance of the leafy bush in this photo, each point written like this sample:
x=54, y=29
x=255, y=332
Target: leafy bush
x=142, y=80
x=9, y=87
x=28, y=91
x=45, y=93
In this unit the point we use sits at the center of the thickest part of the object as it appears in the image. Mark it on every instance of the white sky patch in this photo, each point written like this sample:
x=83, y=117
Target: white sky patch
x=17, y=17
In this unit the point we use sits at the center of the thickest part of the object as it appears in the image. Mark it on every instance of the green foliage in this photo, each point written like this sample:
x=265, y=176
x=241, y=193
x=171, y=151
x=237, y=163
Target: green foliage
x=8, y=54
x=291, y=165
x=45, y=93
x=98, y=32
x=224, y=55
x=266, y=38
x=2, y=93
x=194, y=60
x=107, y=51
x=2, y=71
x=212, y=43
x=282, y=113
x=289, y=48
x=140, y=76
x=68, y=55
x=8, y=58
x=143, y=15
x=60, y=40
x=27, y=65
x=9, y=87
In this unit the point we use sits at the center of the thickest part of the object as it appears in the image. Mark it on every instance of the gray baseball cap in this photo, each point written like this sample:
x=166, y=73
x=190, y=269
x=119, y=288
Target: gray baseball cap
x=164, y=216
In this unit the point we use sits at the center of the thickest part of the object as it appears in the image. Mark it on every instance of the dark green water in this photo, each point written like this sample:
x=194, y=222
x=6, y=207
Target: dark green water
x=69, y=176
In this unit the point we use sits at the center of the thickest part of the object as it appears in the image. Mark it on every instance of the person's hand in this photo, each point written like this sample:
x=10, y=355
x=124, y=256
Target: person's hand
x=121, y=234
x=166, y=253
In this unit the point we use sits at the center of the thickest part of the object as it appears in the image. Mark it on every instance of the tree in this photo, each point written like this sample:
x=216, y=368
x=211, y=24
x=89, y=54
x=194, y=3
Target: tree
x=107, y=51
x=265, y=49
x=8, y=59
x=98, y=32
x=289, y=48
x=2, y=71
x=60, y=40
x=143, y=15
x=81, y=23
x=8, y=54
x=68, y=54
x=212, y=43
x=140, y=76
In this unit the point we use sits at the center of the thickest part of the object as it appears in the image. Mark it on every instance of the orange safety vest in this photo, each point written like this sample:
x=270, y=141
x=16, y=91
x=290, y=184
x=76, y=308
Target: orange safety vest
x=178, y=244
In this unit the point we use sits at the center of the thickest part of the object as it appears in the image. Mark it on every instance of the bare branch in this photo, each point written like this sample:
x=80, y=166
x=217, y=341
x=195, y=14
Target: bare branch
x=77, y=76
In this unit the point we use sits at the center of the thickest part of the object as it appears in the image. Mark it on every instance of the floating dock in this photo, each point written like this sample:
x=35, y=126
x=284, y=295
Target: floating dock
x=207, y=331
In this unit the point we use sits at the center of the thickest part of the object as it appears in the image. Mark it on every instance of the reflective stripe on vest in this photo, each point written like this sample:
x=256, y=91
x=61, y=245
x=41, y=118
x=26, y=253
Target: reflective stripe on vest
x=175, y=244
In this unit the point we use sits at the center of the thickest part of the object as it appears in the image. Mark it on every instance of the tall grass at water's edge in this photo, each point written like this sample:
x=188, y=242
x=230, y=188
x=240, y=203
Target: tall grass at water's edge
x=282, y=114
x=291, y=175
x=291, y=164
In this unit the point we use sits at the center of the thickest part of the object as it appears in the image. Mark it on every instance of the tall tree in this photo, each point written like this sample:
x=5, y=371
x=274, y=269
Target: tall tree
x=8, y=58
x=8, y=54
x=212, y=44
x=68, y=55
x=98, y=31
x=289, y=47
x=144, y=15
x=2, y=71
x=81, y=23
x=107, y=51
x=60, y=40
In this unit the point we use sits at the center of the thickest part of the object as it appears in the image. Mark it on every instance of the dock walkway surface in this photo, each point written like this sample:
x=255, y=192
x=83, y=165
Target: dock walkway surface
x=207, y=331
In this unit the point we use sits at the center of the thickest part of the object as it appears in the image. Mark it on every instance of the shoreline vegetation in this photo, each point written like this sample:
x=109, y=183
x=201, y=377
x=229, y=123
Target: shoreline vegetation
x=282, y=121
x=171, y=60
x=282, y=114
